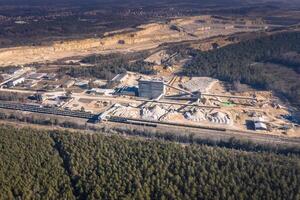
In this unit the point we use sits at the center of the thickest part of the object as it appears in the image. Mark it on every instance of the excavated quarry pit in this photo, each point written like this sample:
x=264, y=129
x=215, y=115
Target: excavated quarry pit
x=146, y=37
x=149, y=36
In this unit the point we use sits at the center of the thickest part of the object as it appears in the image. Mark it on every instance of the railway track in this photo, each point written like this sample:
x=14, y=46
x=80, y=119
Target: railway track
x=155, y=122
x=209, y=132
x=45, y=110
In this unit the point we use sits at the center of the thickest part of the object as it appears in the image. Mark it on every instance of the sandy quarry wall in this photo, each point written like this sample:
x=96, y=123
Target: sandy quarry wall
x=148, y=36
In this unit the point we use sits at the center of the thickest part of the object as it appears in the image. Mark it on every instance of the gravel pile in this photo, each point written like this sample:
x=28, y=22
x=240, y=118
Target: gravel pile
x=219, y=118
x=198, y=115
x=153, y=113
x=199, y=84
x=126, y=111
x=195, y=115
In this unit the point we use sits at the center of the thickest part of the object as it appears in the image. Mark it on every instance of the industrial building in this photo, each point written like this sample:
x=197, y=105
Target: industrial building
x=82, y=84
x=15, y=82
x=99, y=91
x=260, y=126
x=127, y=90
x=151, y=88
x=260, y=123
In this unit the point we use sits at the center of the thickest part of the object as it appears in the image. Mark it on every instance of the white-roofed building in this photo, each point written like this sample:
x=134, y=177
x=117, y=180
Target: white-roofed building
x=260, y=126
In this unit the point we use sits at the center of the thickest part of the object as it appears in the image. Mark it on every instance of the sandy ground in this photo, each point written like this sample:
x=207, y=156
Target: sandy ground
x=89, y=105
x=264, y=107
x=147, y=37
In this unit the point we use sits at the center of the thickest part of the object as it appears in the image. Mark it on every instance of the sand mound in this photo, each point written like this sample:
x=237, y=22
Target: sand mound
x=195, y=115
x=153, y=113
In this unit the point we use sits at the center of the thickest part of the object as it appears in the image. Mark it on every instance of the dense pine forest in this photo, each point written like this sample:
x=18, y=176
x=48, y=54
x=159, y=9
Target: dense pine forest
x=30, y=168
x=238, y=62
x=63, y=165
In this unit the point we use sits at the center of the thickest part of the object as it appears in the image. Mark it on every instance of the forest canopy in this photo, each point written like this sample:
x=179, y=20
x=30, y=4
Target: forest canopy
x=63, y=165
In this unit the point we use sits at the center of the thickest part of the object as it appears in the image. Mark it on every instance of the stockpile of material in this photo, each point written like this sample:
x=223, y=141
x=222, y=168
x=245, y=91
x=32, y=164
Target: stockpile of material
x=172, y=116
x=219, y=118
x=195, y=115
x=153, y=113
x=199, y=84
x=198, y=115
x=126, y=111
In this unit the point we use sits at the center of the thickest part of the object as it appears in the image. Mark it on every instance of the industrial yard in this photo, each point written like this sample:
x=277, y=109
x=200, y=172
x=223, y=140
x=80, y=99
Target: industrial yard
x=151, y=99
